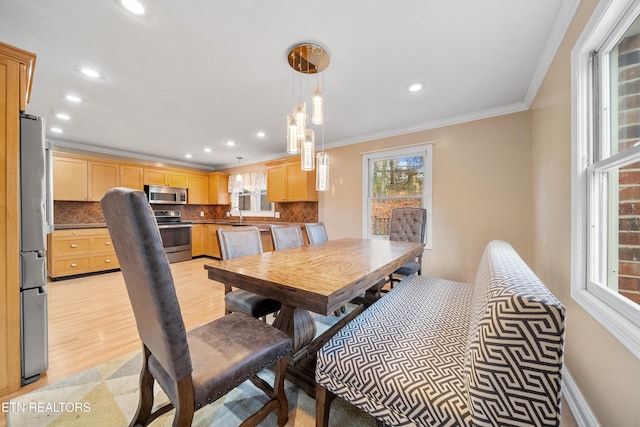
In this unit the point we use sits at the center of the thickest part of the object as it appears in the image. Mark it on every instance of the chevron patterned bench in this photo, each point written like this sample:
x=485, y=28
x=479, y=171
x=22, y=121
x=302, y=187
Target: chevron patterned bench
x=434, y=352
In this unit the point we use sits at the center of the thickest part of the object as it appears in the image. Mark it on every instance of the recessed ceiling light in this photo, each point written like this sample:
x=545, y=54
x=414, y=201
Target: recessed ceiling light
x=207, y=150
x=133, y=6
x=63, y=116
x=90, y=72
x=415, y=87
x=188, y=156
x=230, y=143
x=56, y=130
x=260, y=134
x=73, y=98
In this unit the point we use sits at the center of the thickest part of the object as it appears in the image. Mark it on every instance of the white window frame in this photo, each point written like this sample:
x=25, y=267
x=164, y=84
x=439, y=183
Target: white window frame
x=618, y=315
x=423, y=149
x=254, y=202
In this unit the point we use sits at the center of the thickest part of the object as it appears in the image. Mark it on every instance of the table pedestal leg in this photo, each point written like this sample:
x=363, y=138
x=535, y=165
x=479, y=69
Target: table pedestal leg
x=298, y=324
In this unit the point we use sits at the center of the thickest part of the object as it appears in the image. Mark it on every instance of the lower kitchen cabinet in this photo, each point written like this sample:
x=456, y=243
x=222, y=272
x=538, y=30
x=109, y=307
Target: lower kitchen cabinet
x=80, y=251
x=197, y=239
x=211, y=246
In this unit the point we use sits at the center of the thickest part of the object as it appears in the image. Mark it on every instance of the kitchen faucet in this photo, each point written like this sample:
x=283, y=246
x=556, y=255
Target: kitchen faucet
x=239, y=211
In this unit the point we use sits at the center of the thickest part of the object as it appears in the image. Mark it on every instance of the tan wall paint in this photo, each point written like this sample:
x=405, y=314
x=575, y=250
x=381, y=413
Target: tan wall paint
x=480, y=190
x=606, y=373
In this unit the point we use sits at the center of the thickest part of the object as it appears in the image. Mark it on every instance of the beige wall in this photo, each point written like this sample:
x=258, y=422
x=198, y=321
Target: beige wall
x=480, y=190
x=605, y=372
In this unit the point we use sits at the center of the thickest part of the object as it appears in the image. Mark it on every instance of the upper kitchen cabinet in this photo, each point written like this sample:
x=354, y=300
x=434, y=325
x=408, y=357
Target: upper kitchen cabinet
x=16, y=75
x=286, y=182
x=218, y=188
x=69, y=178
x=198, y=186
x=155, y=176
x=132, y=177
x=101, y=178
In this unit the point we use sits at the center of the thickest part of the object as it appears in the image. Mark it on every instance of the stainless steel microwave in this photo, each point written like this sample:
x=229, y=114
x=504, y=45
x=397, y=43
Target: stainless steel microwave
x=166, y=195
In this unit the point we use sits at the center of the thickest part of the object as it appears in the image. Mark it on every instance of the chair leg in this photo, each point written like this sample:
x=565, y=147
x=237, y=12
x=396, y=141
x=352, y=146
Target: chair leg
x=278, y=388
x=185, y=406
x=323, y=404
x=143, y=414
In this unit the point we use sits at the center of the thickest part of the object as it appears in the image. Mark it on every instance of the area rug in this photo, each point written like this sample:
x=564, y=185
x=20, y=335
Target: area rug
x=107, y=395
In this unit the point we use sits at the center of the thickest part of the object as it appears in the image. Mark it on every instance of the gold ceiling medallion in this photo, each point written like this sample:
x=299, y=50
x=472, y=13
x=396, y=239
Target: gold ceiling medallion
x=308, y=58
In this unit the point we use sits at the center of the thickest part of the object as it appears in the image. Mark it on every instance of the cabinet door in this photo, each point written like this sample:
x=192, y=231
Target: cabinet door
x=197, y=239
x=176, y=179
x=102, y=177
x=218, y=188
x=276, y=184
x=155, y=176
x=131, y=177
x=69, y=179
x=198, y=190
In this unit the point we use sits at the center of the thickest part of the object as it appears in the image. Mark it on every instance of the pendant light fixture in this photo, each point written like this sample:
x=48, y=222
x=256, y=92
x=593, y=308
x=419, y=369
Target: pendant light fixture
x=308, y=58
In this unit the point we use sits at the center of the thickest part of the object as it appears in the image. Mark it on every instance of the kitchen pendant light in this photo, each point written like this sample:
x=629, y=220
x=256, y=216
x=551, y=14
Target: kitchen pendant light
x=322, y=171
x=306, y=58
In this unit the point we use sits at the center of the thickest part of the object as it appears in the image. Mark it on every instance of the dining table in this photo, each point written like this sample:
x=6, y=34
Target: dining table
x=320, y=278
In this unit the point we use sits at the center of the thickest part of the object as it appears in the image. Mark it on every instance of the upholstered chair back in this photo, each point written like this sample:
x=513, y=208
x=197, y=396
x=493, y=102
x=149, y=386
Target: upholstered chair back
x=286, y=236
x=316, y=233
x=239, y=241
x=408, y=224
x=145, y=267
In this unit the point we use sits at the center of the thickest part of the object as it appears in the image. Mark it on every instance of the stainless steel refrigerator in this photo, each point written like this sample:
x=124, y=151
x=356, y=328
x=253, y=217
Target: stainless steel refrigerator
x=36, y=221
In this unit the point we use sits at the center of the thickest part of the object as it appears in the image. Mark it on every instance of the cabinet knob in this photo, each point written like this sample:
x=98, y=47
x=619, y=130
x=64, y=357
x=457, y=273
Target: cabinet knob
x=74, y=245
x=73, y=264
x=107, y=261
x=107, y=242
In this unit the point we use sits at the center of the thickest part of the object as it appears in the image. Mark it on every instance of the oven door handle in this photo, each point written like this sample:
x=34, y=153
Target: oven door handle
x=174, y=225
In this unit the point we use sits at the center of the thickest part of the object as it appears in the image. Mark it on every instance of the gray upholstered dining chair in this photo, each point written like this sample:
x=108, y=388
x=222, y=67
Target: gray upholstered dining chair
x=286, y=236
x=196, y=367
x=407, y=225
x=316, y=232
x=237, y=242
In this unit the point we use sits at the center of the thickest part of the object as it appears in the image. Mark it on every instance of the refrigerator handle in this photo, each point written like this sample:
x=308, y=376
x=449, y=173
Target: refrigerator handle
x=49, y=182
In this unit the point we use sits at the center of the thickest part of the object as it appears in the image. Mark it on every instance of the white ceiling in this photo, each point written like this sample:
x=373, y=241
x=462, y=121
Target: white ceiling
x=194, y=74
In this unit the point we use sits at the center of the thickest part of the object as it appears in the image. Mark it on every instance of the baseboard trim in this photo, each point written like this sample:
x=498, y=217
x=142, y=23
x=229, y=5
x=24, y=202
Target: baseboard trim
x=578, y=405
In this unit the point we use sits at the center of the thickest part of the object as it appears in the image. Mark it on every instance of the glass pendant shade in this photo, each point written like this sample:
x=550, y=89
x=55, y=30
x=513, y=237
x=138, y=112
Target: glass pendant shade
x=322, y=171
x=300, y=112
x=317, y=116
x=293, y=145
x=307, y=151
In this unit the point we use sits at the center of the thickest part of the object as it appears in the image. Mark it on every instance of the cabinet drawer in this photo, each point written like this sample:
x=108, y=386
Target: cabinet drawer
x=103, y=262
x=101, y=244
x=63, y=246
x=81, y=232
x=69, y=266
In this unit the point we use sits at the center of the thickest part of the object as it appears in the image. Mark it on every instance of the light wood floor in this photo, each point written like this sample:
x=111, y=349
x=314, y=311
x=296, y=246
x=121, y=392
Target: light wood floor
x=91, y=321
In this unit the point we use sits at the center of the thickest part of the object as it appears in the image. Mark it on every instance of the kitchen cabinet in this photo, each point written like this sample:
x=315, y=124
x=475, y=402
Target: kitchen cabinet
x=132, y=177
x=16, y=76
x=80, y=251
x=211, y=245
x=286, y=182
x=101, y=178
x=69, y=178
x=218, y=188
x=197, y=239
x=198, y=186
x=155, y=176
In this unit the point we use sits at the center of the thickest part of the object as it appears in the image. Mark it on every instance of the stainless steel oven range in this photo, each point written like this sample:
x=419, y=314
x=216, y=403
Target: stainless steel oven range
x=175, y=233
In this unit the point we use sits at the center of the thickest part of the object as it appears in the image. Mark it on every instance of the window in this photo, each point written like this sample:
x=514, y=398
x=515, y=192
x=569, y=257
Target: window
x=606, y=170
x=392, y=179
x=249, y=195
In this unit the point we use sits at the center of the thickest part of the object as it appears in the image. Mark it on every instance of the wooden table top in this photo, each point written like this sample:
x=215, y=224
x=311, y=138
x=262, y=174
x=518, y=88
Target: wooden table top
x=319, y=278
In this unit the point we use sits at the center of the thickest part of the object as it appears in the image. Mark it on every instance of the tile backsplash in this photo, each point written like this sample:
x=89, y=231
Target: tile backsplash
x=91, y=213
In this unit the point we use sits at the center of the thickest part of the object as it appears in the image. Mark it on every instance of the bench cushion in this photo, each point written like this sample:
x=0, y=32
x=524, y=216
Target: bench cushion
x=423, y=323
